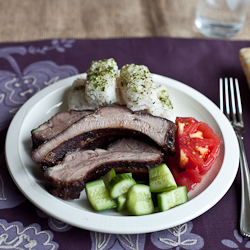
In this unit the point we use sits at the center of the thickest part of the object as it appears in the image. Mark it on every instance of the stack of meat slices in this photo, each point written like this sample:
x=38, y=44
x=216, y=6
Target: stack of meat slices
x=75, y=147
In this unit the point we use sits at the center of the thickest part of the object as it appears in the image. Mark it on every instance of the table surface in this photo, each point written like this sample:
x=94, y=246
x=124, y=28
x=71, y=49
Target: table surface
x=35, y=20
x=42, y=42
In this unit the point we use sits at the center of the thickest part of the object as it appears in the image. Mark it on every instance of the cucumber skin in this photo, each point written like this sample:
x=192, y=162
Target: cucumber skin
x=120, y=184
x=121, y=202
x=108, y=177
x=34, y=131
x=134, y=201
x=172, y=198
x=161, y=179
x=104, y=202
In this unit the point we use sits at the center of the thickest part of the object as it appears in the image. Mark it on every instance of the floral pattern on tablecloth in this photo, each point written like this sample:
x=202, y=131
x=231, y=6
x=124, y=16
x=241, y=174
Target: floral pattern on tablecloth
x=53, y=223
x=179, y=237
x=238, y=242
x=15, y=236
x=17, y=86
x=10, y=196
x=104, y=241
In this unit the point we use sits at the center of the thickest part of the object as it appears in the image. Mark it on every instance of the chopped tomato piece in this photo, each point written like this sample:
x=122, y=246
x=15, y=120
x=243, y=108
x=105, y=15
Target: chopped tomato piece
x=197, y=134
x=198, y=154
x=186, y=126
x=208, y=133
x=188, y=178
x=197, y=148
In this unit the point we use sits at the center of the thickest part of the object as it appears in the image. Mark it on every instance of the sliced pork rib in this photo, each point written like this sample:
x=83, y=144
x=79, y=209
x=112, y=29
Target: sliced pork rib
x=133, y=145
x=55, y=125
x=67, y=179
x=106, y=122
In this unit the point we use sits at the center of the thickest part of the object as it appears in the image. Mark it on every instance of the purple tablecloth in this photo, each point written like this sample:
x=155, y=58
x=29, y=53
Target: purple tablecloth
x=27, y=67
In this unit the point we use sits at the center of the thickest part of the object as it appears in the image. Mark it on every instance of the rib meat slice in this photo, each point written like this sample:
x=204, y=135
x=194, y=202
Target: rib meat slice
x=55, y=125
x=106, y=122
x=67, y=179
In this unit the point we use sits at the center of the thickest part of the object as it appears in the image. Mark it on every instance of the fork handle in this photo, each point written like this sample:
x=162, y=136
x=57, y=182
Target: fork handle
x=245, y=189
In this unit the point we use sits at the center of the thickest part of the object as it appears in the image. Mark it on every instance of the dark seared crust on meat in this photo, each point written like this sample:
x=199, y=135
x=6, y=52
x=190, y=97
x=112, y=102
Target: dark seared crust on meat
x=66, y=191
x=55, y=125
x=94, y=139
x=91, y=140
x=170, y=139
x=72, y=190
x=36, y=141
x=111, y=121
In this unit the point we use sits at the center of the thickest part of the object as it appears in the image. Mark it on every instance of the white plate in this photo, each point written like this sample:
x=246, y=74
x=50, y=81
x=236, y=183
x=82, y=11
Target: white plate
x=29, y=178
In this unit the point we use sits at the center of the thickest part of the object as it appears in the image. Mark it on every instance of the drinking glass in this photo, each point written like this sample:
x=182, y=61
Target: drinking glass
x=221, y=18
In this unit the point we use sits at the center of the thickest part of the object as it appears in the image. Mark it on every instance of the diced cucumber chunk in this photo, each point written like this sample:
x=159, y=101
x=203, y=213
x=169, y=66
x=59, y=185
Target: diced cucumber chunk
x=120, y=184
x=139, y=201
x=121, y=202
x=172, y=198
x=161, y=179
x=108, y=177
x=98, y=195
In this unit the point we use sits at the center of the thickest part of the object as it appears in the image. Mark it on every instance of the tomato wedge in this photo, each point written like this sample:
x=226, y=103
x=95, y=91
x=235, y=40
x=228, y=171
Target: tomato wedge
x=197, y=148
x=188, y=178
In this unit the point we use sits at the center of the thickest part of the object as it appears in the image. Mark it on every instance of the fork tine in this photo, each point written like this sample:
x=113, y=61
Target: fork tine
x=238, y=100
x=221, y=96
x=227, y=98
x=232, y=100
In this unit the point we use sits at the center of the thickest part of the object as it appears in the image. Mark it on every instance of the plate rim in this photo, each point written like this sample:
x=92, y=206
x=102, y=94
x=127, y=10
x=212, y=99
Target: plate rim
x=100, y=219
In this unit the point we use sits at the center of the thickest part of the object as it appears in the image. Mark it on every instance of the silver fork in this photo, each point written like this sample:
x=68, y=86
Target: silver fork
x=234, y=114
